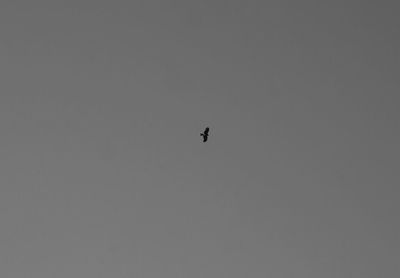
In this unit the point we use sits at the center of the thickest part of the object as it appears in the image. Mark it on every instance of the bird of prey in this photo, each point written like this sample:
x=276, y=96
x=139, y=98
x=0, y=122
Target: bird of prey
x=205, y=134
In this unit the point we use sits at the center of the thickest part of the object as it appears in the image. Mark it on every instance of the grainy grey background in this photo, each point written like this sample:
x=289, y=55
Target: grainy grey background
x=103, y=172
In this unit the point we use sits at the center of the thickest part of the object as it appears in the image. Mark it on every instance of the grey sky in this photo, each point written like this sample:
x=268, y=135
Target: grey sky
x=103, y=172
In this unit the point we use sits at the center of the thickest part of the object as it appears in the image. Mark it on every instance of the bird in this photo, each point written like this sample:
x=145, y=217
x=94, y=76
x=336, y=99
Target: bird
x=205, y=134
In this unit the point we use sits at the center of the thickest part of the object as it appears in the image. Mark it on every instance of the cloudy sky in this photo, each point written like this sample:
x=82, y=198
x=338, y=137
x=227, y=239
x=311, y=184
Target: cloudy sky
x=103, y=172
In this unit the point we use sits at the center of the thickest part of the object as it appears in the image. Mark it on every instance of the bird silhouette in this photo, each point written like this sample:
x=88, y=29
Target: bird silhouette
x=205, y=134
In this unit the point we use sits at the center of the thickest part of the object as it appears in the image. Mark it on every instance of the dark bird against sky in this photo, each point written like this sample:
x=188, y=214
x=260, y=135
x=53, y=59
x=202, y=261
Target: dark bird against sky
x=205, y=134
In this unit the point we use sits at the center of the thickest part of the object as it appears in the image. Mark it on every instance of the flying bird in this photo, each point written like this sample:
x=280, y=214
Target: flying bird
x=205, y=134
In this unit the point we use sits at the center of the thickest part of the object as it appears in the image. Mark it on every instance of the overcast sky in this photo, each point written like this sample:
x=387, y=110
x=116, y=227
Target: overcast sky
x=103, y=172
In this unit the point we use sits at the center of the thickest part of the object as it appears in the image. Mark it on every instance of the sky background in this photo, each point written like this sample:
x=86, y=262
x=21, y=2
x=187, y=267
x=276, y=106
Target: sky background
x=103, y=172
